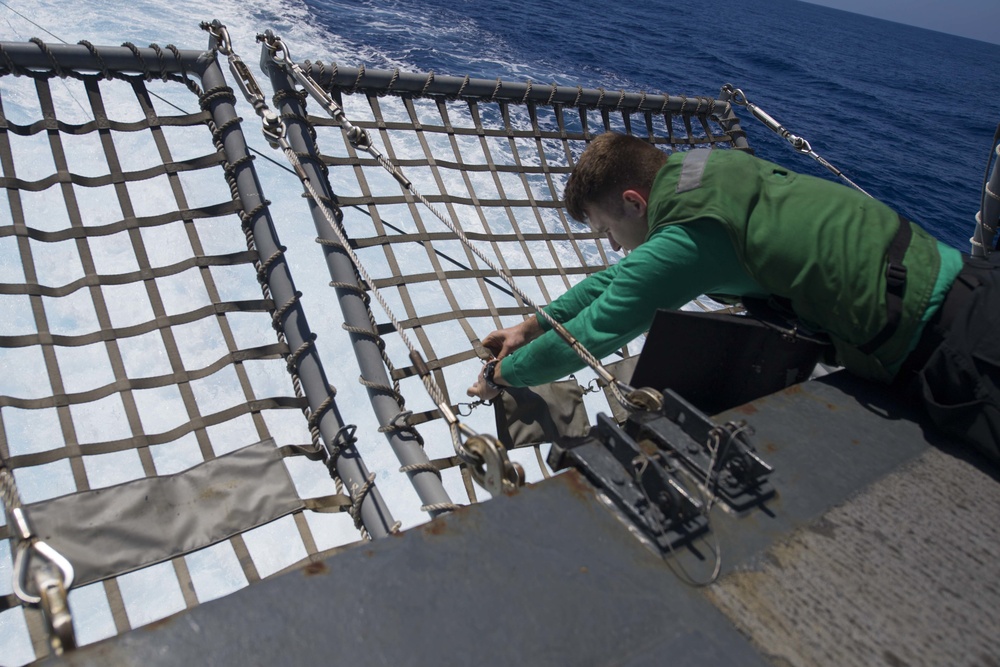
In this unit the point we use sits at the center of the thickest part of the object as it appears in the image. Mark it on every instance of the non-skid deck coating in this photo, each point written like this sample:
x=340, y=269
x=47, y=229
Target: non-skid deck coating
x=879, y=549
x=904, y=572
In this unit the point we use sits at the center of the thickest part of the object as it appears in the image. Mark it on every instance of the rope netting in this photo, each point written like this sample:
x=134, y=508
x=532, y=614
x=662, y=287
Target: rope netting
x=138, y=353
x=150, y=329
x=495, y=156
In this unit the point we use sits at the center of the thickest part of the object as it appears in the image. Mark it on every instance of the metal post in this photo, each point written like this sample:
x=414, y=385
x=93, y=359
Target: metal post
x=508, y=91
x=425, y=479
x=374, y=513
x=730, y=122
x=988, y=217
x=112, y=58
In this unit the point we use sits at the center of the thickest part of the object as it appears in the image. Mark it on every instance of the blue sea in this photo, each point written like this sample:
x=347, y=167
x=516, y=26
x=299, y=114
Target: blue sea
x=907, y=113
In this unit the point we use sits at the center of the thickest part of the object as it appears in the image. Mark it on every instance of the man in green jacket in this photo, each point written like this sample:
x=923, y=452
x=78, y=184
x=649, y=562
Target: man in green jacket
x=727, y=223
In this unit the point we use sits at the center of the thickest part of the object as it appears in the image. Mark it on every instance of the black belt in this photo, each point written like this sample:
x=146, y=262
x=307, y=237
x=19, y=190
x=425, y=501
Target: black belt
x=895, y=286
x=954, y=303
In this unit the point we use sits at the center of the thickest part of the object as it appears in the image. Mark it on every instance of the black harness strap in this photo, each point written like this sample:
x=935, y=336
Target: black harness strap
x=895, y=286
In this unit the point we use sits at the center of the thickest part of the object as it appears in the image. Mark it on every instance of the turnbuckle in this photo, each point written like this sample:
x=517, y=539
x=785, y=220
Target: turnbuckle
x=273, y=127
x=280, y=56
x=739, y=98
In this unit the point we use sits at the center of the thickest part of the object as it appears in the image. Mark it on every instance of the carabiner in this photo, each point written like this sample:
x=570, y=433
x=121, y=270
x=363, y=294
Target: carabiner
x=22, y=568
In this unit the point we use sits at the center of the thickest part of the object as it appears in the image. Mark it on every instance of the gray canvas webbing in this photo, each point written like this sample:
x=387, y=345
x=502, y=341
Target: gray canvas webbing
x=191, y=232
x=527, y=416
x=108, y=532
x=403, y=292
x=250, y=487
x=197, y=424
x=470, y=259
x=68, y=340
x=529, y=144
x=392, y=281
x=191, y=164
x=128, y=223
x=273, y=351
x=554, y=195
x=71, y=447
x=93, y=279
x=181, y=120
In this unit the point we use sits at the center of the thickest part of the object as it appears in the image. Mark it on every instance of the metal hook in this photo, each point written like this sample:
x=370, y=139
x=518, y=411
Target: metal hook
x=21, y=568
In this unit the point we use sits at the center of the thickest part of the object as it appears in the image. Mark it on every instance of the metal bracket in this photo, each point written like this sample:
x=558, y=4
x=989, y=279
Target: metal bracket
x=640, y=486
x=718, y=456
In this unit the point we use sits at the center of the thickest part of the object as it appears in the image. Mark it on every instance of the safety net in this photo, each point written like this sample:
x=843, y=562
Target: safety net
x=167, y=431
x=492, y=157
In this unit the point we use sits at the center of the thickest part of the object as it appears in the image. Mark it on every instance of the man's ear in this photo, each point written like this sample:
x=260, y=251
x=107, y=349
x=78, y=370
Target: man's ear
x=634, y=202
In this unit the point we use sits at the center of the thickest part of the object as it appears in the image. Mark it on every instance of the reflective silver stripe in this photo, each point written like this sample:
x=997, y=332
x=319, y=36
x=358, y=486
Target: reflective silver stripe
x=692, y=169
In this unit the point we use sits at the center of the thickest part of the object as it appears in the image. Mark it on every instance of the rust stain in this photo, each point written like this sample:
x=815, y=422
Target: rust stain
x=312, y=569
x=213, y=492
x=770, y=447
x=578, y=486
x=583, y=569
x=748, y=409
x=831, y=406
x=794, y=389
x=162, y=623
x=435, y=527
x=209, y=494
x=648, y=447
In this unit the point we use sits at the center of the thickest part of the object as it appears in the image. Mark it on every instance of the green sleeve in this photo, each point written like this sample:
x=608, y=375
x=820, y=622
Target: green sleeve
x=567, y=306
x=676, y=264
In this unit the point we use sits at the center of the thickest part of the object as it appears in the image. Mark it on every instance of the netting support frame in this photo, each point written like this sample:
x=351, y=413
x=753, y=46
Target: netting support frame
x=426, y=480
x=375, y=514
x=152, y=64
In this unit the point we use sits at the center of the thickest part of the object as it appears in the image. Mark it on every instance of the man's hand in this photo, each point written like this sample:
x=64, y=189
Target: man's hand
x=501, y=343
x=481, y=390
x=504, y=341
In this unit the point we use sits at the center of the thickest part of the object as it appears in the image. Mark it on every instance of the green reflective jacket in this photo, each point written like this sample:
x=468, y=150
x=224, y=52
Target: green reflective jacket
x=818, y=244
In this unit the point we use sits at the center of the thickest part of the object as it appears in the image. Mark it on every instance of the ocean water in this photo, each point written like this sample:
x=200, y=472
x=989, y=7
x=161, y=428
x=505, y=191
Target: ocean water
x=907, y=113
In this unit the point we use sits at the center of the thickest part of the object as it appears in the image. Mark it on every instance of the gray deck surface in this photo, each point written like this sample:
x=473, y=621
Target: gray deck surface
x=878, y=549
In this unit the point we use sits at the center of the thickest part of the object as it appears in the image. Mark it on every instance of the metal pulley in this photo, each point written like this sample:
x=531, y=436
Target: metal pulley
x=495, y=472
x=646, y=398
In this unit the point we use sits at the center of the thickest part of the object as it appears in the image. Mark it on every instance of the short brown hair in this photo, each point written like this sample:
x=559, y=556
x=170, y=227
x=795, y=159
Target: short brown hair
x=611, y=164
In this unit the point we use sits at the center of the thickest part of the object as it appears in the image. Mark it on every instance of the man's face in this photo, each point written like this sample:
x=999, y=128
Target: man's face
x=623, y=220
